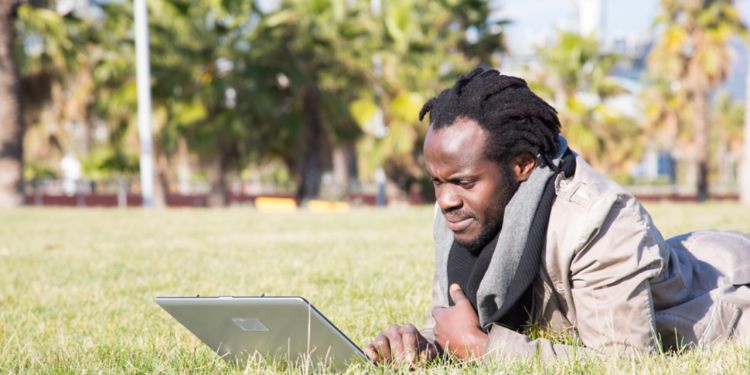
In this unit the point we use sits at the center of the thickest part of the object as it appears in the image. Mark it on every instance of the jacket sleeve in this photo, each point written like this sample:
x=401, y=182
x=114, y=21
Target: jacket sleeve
x=505, y=343
x=610, y=280
x=609, y=284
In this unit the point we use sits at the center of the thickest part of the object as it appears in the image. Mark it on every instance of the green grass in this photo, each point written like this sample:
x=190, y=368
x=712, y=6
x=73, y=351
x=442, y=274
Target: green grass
x=77, y=286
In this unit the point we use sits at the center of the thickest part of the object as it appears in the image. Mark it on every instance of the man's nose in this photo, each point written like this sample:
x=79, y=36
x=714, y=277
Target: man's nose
x=447, y=199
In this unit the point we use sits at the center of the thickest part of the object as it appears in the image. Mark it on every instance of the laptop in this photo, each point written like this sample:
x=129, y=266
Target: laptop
x=286, y=330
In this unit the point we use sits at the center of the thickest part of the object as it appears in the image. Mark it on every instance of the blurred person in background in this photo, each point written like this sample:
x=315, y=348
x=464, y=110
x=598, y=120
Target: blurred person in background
x=71, y=173
x=527, y=234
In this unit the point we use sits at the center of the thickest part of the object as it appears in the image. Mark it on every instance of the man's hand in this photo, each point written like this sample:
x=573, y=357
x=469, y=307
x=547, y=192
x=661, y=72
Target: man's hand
x=457, y=327
x=401, y=343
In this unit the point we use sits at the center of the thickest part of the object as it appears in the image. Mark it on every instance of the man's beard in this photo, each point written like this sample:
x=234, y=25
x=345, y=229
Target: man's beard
x=494, y=215
x=488, y=232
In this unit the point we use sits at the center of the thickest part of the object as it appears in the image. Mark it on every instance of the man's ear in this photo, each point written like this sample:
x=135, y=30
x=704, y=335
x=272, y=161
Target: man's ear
x=522, y=165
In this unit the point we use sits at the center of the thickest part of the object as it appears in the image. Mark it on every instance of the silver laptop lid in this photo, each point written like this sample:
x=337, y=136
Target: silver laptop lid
x=287, y=329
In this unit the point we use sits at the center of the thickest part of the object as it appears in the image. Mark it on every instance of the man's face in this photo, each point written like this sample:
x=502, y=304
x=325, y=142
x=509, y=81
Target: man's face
x=471, y=190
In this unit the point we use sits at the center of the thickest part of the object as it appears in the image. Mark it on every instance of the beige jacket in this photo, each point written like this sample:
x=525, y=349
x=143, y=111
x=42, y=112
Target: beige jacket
x=611, y=280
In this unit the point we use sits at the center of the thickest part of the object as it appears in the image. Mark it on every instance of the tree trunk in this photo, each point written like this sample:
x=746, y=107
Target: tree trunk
x=11, y=116
x=313, y=133
x=744, y=169
x=702, y=146
x=340, y=175
x=161, y=187
x=352, y=169
x=183, y=167
x=701, y=136
x=217, y=171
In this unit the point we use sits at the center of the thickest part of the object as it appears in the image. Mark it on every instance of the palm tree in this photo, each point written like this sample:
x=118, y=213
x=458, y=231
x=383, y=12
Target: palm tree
x=205, y=87
x=12, y=127
x=422, y=46
x=576, y=69
x=320, y=51
x=59, y=80
x=693, y=56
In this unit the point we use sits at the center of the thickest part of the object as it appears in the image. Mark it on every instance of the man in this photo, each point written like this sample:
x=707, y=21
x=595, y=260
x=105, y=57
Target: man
x=526, y=233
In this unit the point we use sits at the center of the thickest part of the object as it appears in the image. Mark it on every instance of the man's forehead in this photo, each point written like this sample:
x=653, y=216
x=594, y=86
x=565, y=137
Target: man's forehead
x=457, y=136
x=455, y=149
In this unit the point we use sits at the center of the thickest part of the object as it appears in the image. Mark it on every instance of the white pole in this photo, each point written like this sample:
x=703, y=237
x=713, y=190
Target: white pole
x=143, y=77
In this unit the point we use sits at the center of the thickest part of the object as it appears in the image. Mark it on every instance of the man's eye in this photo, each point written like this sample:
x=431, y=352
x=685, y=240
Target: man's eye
x=467, y=184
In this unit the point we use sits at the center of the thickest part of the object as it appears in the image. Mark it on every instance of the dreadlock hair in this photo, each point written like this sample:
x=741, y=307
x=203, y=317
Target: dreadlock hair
x=516, y=120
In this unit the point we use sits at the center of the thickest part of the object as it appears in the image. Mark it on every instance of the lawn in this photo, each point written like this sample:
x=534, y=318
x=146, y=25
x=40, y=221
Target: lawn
x=77, y=285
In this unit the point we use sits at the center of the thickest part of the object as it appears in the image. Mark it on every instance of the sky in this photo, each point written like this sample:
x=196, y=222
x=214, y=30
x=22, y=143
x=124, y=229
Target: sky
x=534, y=21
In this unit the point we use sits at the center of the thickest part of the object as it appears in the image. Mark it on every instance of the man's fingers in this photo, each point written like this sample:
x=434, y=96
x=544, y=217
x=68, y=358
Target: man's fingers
x=371, y=352
x=383, y=348
x=394, y=338
x=457, y=295
x=428, y=351
x=401, y=343
x=410, y=342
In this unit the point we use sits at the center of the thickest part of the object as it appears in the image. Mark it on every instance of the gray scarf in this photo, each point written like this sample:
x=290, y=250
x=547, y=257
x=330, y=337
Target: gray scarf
x=516, y=259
